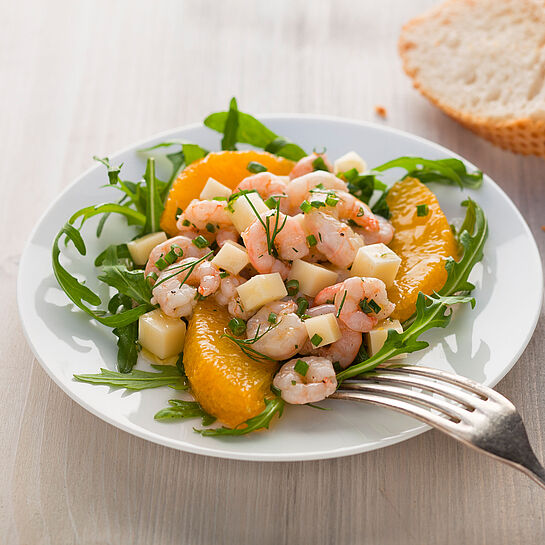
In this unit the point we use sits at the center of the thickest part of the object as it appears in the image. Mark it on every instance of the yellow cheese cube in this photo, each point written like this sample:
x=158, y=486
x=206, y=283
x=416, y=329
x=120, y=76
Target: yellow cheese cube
x=349, y=161
x=376, y=261
x=260, y=290
x=376, y=338
x=311, y=277
x=160, y=334
x=141, y=247
x=325, y=327
x=232, y=257
x=212, y=189
x=242, y=213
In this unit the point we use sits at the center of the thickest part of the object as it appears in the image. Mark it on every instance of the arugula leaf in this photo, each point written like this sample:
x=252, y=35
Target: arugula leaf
x=442, y=171
x=113, y=172
x=168, y=375
x=253, y=132
x=180, y=410
x=90, y=211
x=80, y=294
x=127, y=346
x=262, y=420
x=231, y=126
x=154, y=204
x=434, y=310
x=115, y=254
x=131, y=283
x=381, y=208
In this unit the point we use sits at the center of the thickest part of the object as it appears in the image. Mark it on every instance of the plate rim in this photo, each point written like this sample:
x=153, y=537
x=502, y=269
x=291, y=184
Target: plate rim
x=241, y=454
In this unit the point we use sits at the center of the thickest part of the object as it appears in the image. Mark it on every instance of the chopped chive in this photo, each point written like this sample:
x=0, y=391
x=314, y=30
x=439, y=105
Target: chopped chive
x=169, y=258
x=178, y=212
x=305, y=207
x=152, y=276
x=320, y=236
x=319, y=164
x=237, y=326
x=311, y=239
x=369, y=306
x=292, y=286
x=342, y=304
x=272, y=318
x=293, y=382
x=219, y=198
x=224, y=274
x=336, y=365
x=351, y=174
x=210, y=228
x=332, y=200
x=301, y=367
x=316, y=339
x=255, y=167
x=302, y=306
x=271, y=203
x=186, y=223
x=200, y=242
x=422, y=210
x=361, y=212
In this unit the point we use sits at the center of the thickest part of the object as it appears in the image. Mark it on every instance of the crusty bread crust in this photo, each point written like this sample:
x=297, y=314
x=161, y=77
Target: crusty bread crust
x=522, y=135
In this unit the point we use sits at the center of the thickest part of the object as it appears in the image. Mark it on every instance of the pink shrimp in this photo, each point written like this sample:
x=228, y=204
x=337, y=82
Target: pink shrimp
x=265, y=183
x=299, y=189
x=351, y=208
x=385, y=232
x=304, y=165
x=334, y=239
x=205, y=275
x=227, y=295
x=344, y=350
x=290, y=243
x=185, y=244
x=361, y=302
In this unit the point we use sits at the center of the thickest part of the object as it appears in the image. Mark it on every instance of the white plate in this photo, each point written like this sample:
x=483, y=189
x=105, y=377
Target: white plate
x=482, y=344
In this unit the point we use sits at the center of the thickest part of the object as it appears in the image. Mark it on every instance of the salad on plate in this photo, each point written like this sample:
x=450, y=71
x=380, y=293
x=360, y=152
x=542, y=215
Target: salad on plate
x=268, y=275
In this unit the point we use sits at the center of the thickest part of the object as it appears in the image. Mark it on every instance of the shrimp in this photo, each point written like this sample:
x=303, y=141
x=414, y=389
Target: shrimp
x=356, y=300
x=318, y=383
x=290, y=242
x=304, y=165
x=175, y=299
x=226, y=234
x=227, y=295
x=351, y=208
x=334, y=239
x=265, y=183
x=205, y=275
x=284, y=337
x=385, y=232
x=299, y=189
x=206, y=218
x=185, y=244
x=344, y=350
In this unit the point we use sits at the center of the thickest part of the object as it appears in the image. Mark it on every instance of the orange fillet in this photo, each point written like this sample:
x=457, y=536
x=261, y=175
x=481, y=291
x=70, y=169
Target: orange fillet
x=228, y=384
x=227, y=167
x=422, y=242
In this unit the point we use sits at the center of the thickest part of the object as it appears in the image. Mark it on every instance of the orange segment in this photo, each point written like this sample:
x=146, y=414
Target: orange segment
x=422, y=242
x=227, y=167
x=227, y=384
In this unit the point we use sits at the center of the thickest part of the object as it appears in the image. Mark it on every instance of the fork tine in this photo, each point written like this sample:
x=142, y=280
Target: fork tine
x=460, y=396
x=450, y=410
x=410, y=409
x=446, y=376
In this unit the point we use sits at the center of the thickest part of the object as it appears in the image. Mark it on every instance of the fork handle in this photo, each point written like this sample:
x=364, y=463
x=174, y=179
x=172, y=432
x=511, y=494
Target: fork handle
x=519, y=455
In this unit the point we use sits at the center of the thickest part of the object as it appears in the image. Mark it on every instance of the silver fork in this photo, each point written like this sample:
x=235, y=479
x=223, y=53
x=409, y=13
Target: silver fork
x=462, y=408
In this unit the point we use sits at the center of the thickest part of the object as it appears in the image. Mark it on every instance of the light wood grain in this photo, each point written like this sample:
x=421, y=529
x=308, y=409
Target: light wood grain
x=89, y=77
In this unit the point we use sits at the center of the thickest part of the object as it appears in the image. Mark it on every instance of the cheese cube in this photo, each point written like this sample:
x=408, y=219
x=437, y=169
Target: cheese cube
x=311, y=277
x=376, y=338
x=242, y=213
x=212, y=189
x=141, y=247
x=376, y=261
x=160, y=334
x=325, y=326
x=232, y=257
x=349, y=161
x=260, y=290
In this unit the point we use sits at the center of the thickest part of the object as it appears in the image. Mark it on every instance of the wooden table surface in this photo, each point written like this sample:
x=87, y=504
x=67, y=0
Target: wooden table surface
x=89, y=77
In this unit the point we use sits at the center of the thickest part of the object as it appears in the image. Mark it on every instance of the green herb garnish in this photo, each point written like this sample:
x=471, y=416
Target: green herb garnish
x=302, y=306
x=237, y=326
x=292, y=287
x=369, y=306
x=200, y=242
x=181, y=410
x=255, y=167
x=319, y=164
x=311, y=240
x=272, y=318
x=306, y=207
x=301, y=367
x=422, y=210
x=316, y=339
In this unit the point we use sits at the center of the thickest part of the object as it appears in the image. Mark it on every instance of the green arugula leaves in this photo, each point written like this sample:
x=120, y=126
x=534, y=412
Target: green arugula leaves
x=273, y=407
x=434, y=310
x=237, y=126
x=180, y=410
x=168, y=375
